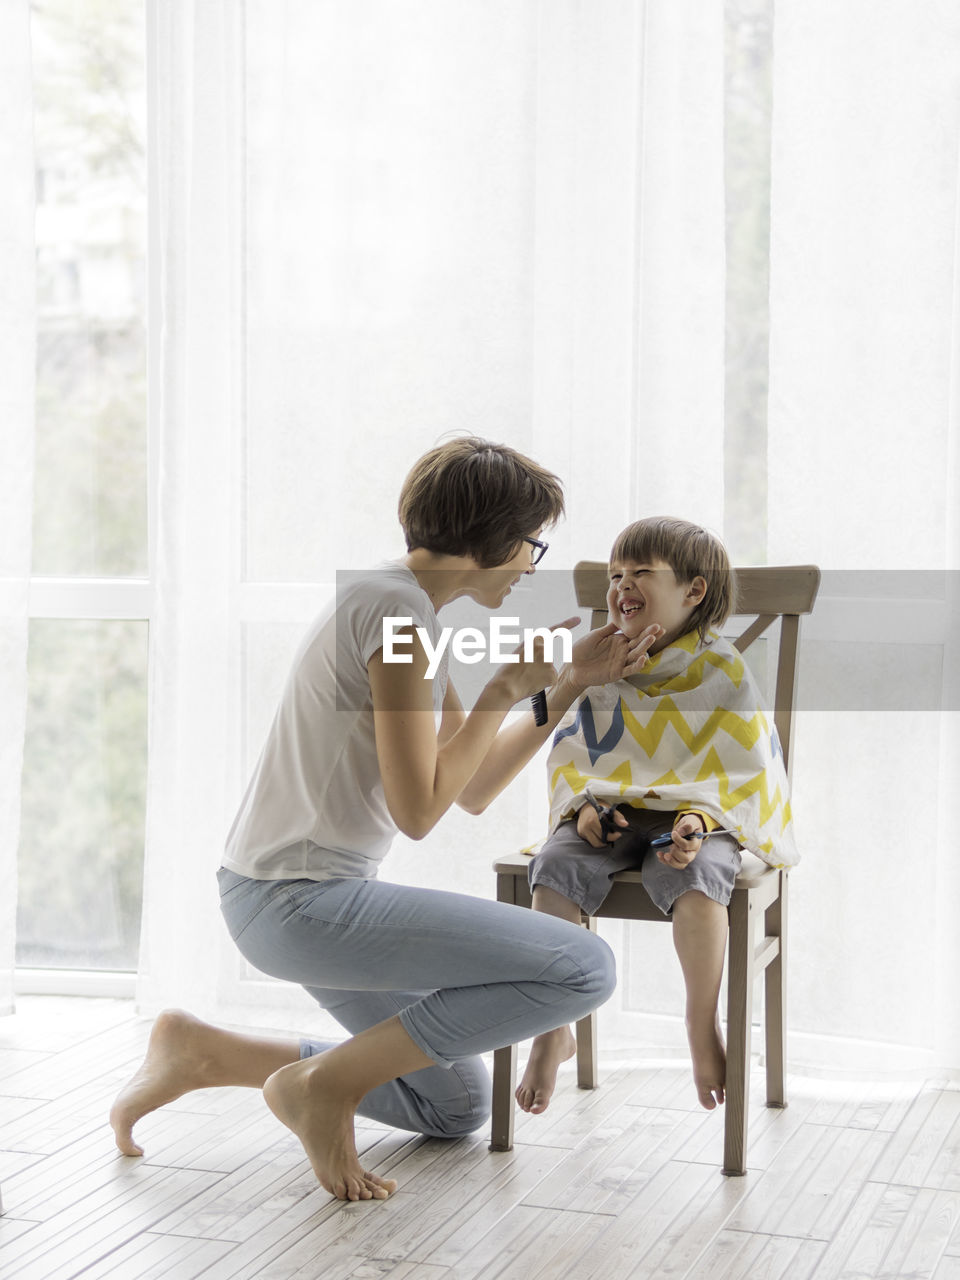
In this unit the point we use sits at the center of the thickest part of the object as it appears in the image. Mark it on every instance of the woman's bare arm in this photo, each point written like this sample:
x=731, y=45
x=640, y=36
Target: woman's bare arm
x=423, y=775
x=453, y=715
x=516, y=745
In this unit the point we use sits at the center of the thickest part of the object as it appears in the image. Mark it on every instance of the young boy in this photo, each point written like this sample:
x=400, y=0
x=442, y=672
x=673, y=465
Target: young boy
x=682, y=748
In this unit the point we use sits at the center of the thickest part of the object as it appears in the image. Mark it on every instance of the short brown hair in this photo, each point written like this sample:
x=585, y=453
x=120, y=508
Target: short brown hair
x=470, y=497
x=691, y=552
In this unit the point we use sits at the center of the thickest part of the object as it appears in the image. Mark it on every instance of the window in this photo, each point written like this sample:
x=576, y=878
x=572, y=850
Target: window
x=81, y=850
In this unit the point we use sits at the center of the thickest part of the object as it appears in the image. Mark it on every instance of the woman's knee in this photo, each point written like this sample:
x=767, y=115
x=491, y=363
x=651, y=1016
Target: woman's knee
x=470, y=1109
x=461, y=1123
x=608, y=976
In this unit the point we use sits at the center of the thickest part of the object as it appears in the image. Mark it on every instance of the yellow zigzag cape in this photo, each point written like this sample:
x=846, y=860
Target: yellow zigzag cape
x=689, y=732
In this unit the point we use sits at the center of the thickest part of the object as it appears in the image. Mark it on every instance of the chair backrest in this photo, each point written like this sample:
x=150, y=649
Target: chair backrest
x=766, y=594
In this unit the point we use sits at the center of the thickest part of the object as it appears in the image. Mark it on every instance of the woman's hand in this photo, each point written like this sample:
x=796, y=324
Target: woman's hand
x=524, y=678
x=687, y=839
x=589, y=829
x=606, y=654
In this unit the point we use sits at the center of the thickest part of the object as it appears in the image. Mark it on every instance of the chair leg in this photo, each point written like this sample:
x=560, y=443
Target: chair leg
x=505, y=1060
x=587, y=1076
x=504, y=1083
x=775, y=1002
x=739, y=1015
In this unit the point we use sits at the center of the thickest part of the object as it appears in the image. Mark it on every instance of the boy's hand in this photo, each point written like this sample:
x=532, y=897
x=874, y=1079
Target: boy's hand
x=687, y=839
x=606, y=654
x=589, y=829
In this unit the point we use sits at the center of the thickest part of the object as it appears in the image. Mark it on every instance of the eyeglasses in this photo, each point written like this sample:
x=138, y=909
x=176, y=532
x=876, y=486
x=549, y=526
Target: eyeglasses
x=540, y=549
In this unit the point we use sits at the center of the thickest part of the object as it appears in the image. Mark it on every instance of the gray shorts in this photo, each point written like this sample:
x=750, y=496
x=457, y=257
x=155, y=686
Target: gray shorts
x=573, y=868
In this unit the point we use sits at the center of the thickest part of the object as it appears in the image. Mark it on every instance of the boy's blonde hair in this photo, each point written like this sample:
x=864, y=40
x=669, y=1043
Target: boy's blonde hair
x=470, y=497
x=691, y=552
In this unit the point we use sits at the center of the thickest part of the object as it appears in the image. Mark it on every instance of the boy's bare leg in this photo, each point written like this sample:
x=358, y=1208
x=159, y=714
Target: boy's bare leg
x=553, y=1047
x=700, y=938
x=184, y=1053
x=317, y=1099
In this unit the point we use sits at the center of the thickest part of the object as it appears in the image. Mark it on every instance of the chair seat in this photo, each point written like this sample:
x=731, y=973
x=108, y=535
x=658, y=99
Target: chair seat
x=753, y=872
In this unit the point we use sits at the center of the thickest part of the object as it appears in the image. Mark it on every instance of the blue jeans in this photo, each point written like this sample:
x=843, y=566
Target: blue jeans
x=463, y=974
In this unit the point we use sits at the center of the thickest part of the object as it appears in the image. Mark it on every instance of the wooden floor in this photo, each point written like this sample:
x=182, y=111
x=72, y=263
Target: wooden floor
x=849, y=1181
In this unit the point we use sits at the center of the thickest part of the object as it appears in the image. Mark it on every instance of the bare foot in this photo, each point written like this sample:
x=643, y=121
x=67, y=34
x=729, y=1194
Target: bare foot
x=540, y=1078
x=310, y=1098
x=177, y=1060
x=709, y=1061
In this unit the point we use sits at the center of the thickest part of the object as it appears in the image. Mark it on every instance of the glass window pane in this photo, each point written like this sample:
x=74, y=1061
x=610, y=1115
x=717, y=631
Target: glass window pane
x=84, y=779
x=91, y=446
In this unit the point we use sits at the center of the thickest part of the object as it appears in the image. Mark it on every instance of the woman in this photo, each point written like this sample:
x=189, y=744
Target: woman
x=423, y=980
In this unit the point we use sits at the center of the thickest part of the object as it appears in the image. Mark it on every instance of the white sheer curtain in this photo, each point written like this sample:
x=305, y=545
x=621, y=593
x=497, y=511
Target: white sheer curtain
x=17, y=309
x=196, y=425
x=375, y=223
x=863, y=428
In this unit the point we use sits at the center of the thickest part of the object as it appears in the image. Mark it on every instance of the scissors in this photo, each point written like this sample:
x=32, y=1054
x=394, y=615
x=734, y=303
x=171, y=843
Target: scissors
x=607, y=824
x=661, y=842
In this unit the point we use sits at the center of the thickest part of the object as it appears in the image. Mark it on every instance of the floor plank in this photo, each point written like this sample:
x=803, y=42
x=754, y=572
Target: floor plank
x=925, y=1149
x=158, y=1257
x=808, y=1191
x=735, y=1254
x=891, y=1232
x=96, y=1224
x=531, y=1244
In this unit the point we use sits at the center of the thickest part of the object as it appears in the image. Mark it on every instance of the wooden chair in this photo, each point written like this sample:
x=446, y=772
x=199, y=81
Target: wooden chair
x=769, y=594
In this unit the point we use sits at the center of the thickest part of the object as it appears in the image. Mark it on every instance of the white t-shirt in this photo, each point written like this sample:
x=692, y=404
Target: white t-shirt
x=315, y=808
